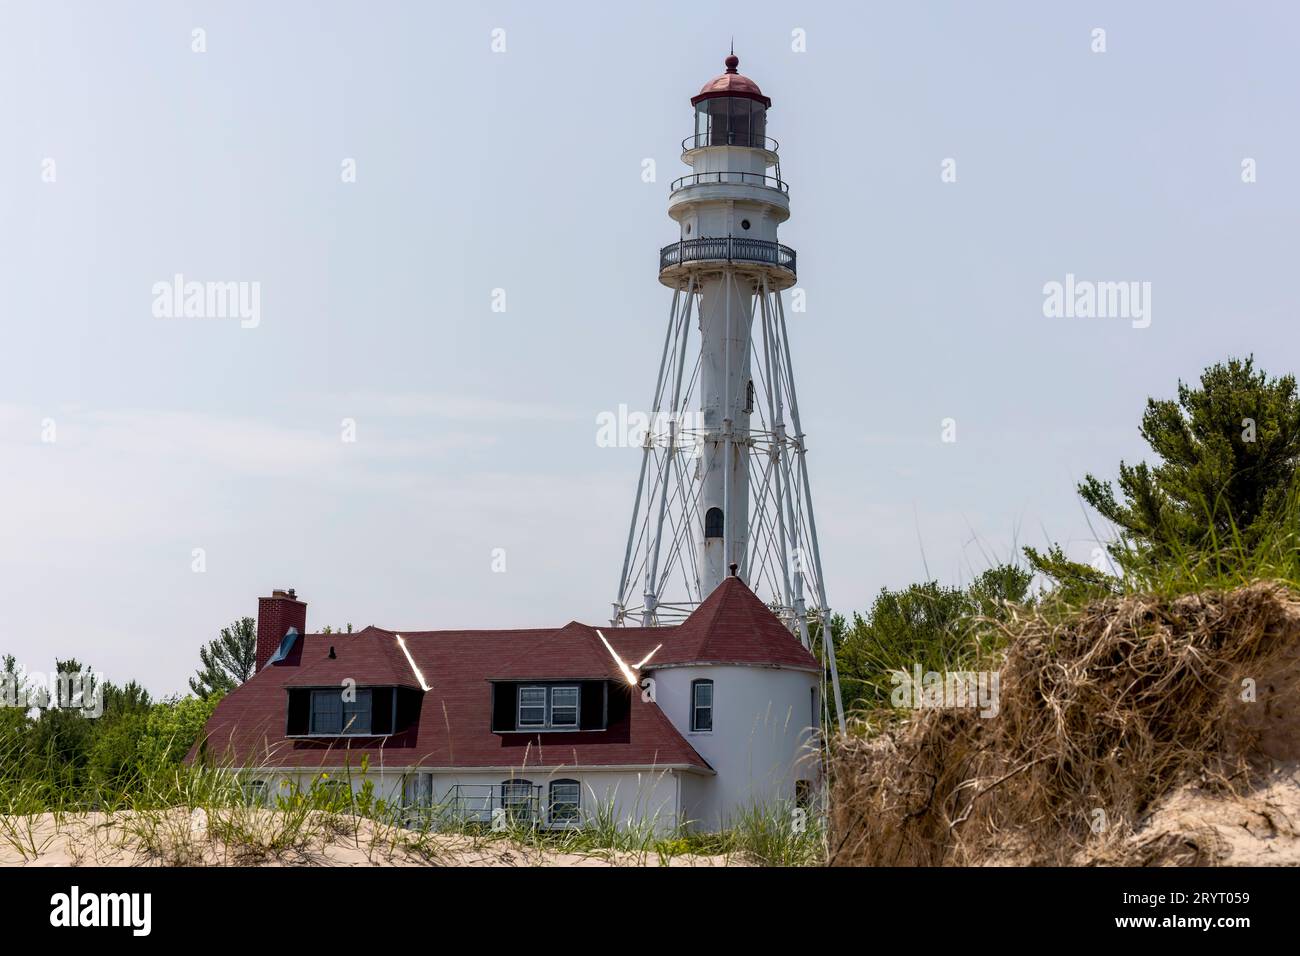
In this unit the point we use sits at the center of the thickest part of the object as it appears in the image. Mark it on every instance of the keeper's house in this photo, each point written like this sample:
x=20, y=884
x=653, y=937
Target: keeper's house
x=551, y=725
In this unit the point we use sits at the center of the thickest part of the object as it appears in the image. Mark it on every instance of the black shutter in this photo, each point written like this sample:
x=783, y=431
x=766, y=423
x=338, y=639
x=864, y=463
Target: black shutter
x=620, y=702
x=593, y=705
x=381, y=710
x=299, y=711
x=408, y=708
x=504, y=697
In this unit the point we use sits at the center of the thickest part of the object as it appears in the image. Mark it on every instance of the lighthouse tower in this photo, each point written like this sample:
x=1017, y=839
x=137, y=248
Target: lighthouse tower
x=723, y=486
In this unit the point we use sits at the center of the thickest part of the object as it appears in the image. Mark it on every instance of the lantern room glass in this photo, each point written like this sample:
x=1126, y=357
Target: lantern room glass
x=730, y=121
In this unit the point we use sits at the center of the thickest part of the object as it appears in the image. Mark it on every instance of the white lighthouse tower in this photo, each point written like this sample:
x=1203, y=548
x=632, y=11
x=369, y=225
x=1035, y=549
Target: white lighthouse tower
x=723, y=486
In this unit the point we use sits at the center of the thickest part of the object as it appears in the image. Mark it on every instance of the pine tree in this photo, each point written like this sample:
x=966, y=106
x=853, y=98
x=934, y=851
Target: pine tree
x=227, y=661
x=1228, y=455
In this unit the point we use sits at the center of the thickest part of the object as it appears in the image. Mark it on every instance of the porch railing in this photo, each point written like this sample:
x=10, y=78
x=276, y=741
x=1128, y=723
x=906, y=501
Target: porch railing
x=477, y=803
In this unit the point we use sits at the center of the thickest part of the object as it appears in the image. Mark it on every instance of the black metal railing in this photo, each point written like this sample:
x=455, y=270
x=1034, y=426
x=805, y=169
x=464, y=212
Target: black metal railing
x=730, y=138
x=750, y=179
x=729, y=248
x=488, y=803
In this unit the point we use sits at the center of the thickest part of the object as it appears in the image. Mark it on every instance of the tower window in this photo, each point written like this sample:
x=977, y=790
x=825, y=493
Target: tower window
x=749, y=396
x=744, y=224
x=713, y=523
x=701, y=705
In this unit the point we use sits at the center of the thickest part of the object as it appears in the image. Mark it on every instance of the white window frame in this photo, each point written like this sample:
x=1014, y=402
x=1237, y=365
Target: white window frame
x=566, y=820
x=575, y=707
x=519, y=714
x=520, y=794
x=549, y=707
x=696, y=707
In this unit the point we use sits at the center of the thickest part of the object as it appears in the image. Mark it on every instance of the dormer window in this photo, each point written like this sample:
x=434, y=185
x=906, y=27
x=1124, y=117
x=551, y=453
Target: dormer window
x=564, y=706
x=543, y=707
x=532, y=707
x=546, y=707
x=341, y=711
x=332, y=714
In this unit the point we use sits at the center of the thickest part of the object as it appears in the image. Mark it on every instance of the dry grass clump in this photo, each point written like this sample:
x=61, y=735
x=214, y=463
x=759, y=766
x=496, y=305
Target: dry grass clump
x=1103, y=712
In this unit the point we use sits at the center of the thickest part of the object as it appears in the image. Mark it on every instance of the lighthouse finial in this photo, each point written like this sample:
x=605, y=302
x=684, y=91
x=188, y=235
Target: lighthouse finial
x=732, y=61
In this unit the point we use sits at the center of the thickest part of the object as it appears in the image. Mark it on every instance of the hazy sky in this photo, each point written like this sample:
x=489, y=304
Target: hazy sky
x=521, y=170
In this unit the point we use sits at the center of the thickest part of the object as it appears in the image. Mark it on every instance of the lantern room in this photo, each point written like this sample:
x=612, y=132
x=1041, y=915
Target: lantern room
x=731, y=110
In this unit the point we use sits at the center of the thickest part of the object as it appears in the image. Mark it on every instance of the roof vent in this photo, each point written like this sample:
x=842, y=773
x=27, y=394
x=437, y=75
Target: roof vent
x=286, y=645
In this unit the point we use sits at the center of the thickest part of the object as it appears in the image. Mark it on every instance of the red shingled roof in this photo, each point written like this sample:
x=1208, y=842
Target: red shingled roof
x=732, y=626
x=572, y=652
x=454, y=725
x=360, y=657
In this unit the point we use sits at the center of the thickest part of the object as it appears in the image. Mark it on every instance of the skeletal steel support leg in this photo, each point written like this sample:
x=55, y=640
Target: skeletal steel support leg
x=649, y=616
x=828, y=642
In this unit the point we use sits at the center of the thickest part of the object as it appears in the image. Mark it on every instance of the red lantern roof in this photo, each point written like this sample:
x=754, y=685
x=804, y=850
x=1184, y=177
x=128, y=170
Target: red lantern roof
x=731, y=83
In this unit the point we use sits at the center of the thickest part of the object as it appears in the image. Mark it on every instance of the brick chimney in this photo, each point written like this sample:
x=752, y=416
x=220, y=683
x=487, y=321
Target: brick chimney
x=275, y=615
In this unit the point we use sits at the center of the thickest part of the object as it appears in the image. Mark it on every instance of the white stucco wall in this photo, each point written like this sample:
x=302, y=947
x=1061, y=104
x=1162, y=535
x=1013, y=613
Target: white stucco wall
x=760, y=742
x=628, y=797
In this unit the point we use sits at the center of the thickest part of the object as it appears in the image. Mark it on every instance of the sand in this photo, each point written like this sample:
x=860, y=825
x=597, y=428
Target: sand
x=1195, y=826
x=259, y=838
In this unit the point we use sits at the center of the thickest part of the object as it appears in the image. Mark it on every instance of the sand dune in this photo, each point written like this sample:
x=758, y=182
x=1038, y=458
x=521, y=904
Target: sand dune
x=255, y=837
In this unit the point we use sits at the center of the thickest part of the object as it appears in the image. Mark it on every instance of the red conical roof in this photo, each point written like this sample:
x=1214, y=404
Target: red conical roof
x=731, y=83
x=732, y=626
